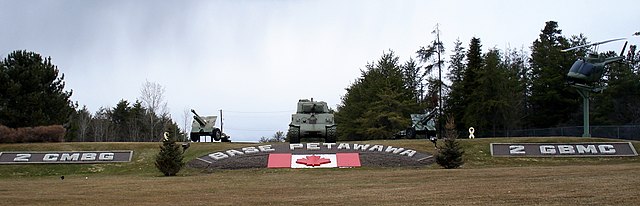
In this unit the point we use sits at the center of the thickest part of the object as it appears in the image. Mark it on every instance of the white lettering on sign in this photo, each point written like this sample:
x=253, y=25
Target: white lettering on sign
x=607, y=149
x=344, y=146
x=360, y=147
x=250, y=150
x=294, y=146
x=376, y=147
x=106, y=156
x=566, y=149
x=408, y=152
x=516, y=149
x=577, y=149
x=266, y=148
x=233, y=152
x=50, y=157
x=22, y=158
x=309, y=147
x=588, y=149
x=88, y=157
x=393, y=150
x=67, y=157
x=547, y=149
x=329, y=145
x=218, y=155
x=313, y=146
x=70, y=157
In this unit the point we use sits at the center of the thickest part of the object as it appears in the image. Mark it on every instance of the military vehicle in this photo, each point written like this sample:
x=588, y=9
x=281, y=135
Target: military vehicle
x=421, y=124
x=312, y=120
x=589, y=69
x=205, y=126
x=586, y=72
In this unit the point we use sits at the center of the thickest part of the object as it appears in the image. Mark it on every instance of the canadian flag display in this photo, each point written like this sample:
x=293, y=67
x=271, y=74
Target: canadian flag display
x=285, y=160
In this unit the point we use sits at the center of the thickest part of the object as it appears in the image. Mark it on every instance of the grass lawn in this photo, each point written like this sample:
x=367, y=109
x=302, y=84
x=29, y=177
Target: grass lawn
x=484, y=180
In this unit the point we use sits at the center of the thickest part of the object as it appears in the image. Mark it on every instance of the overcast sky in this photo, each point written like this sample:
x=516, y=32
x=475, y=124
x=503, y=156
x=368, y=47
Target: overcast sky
x=255, y=59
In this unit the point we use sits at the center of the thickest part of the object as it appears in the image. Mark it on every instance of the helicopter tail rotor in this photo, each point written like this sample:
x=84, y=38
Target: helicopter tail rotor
x=624, y=47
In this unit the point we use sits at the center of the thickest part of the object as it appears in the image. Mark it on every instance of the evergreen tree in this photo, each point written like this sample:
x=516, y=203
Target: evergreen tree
x=169, y=159
x=120, y=116
x=551, y=101
x=413, y=77
x=618, y=104
x=450, y=155
x=455, y=101
x=517, y=74
x=32, y=92
x=386, y=115
x=470, y=85
x=375, y=102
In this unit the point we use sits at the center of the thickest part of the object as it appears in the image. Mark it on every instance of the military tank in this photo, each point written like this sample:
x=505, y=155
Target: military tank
x=205, y=126
x=312, y=120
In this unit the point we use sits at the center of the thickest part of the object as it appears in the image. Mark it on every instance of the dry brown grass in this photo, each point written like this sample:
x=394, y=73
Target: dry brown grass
x=614, y=184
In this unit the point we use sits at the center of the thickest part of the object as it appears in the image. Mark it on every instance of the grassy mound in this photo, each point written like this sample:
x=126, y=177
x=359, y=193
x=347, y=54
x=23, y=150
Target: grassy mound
x=477, y=155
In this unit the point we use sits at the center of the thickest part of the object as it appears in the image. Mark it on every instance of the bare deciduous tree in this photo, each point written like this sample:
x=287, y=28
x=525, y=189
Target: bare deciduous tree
x=84, y=121
x=152, y=97
x=186, y=120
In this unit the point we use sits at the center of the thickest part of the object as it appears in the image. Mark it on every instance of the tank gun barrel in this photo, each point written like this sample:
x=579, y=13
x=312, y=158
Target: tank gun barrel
x=430, y=116
x=198, y=118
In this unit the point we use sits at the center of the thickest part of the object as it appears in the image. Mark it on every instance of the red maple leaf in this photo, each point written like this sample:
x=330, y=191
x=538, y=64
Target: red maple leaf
x=313, y=161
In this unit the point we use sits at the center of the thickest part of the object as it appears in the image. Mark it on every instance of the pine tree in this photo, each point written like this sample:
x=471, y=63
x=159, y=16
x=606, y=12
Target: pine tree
x=618, y=104
x=32, y=92
x=169, y=159
x=376, y=101
x=455, y=103
x=551, y=101
x=470, y=85
x=450, y=155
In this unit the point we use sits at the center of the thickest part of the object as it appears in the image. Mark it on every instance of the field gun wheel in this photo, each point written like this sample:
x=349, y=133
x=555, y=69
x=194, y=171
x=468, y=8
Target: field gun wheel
x=216, y=134
x=195, y=137
x=411, y=133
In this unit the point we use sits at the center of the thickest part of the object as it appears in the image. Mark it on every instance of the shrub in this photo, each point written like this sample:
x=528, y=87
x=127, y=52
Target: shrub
x=52, y=133
x=450, y=155
x=169, y=159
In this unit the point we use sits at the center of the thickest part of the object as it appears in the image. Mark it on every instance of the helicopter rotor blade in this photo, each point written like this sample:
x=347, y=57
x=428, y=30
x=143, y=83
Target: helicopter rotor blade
x=574, y=48
x=591, y=44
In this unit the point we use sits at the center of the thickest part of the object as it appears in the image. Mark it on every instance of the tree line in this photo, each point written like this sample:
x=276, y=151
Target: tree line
x=32, y=95
x=144, y=120
x=492, y=91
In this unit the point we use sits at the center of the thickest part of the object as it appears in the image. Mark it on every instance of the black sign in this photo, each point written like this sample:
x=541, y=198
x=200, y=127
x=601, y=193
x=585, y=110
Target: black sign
x=65, y=157
x=589, y=149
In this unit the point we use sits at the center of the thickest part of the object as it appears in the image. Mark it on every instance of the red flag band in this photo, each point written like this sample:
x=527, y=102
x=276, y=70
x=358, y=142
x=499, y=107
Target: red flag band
x=286, y=160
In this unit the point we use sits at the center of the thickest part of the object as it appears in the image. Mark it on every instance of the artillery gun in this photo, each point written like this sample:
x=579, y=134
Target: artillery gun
x=205, y=126
x=312, y=120
x=421, y=124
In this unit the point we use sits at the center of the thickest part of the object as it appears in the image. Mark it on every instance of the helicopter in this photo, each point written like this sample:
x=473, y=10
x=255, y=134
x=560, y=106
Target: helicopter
x=590, y=68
